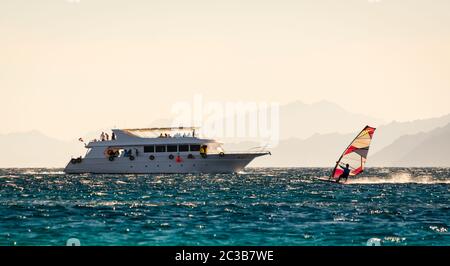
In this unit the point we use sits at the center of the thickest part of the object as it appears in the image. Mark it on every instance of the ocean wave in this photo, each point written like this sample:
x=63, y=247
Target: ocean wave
x=261, y=207
x=399, y=178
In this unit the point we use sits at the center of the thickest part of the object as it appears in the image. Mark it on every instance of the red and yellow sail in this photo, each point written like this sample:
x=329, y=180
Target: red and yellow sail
x=356, y=153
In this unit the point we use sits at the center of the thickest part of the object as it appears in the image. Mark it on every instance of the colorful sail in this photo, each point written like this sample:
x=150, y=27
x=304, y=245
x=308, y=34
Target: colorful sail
x=356, y=154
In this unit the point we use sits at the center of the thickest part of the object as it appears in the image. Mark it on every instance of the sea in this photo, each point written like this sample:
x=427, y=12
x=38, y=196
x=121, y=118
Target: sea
x=259, y=206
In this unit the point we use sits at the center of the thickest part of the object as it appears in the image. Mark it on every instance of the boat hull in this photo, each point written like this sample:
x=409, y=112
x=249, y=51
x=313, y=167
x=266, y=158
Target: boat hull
x=229, y=163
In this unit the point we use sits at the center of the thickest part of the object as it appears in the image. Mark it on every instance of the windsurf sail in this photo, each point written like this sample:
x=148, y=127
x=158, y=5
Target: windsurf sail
x=356, y=154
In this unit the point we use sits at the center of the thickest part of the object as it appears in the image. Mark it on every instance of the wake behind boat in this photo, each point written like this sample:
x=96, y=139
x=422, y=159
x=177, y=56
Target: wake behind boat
x=156, y=150
x=353, y=159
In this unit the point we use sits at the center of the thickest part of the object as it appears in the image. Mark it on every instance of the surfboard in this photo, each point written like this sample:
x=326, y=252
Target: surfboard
x=330, y=180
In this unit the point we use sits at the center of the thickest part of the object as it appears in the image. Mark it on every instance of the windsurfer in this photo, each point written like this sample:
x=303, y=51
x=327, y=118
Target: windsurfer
x=354, y=157
x=345, y=174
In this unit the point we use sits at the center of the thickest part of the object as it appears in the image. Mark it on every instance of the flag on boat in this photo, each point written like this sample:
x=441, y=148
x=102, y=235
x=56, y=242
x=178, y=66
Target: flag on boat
x=80, y=139
x=356, y=154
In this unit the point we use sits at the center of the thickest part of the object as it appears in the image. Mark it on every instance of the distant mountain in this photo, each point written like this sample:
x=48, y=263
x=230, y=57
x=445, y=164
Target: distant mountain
x=315, y=151
x=300, y=145
x=300, y=120
x=387, y=134
x=422, y=149
x=33, y=149
x=323, y=149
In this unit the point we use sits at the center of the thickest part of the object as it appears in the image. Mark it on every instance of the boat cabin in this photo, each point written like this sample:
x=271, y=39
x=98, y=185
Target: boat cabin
x=151, y=143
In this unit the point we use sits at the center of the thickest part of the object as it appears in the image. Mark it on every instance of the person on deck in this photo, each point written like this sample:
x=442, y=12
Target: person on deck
x=204, y=151
x=345, y=174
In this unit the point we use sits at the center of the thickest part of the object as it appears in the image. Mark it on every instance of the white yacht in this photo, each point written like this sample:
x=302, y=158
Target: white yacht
x=153, y=150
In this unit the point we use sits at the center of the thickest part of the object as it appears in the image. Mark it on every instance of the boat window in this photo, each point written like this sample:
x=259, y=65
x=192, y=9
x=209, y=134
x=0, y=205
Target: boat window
x=172, y=148
x=160, y=148
x=184, y=147
x=148, y=149
x=195, y=147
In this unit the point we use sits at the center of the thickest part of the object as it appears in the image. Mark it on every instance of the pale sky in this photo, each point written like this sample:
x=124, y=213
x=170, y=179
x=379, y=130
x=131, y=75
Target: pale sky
x=68, y=67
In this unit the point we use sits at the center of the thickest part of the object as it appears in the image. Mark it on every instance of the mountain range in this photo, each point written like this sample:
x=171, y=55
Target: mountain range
x=34, y=149
x=312, y=135
x=415, y=150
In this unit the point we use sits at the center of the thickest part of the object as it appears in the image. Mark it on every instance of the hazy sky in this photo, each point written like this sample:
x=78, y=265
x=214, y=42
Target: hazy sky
x=67, y=67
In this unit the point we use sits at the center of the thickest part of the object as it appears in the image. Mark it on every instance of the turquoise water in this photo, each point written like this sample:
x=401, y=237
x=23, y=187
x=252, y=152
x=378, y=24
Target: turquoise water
x=258, y=207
